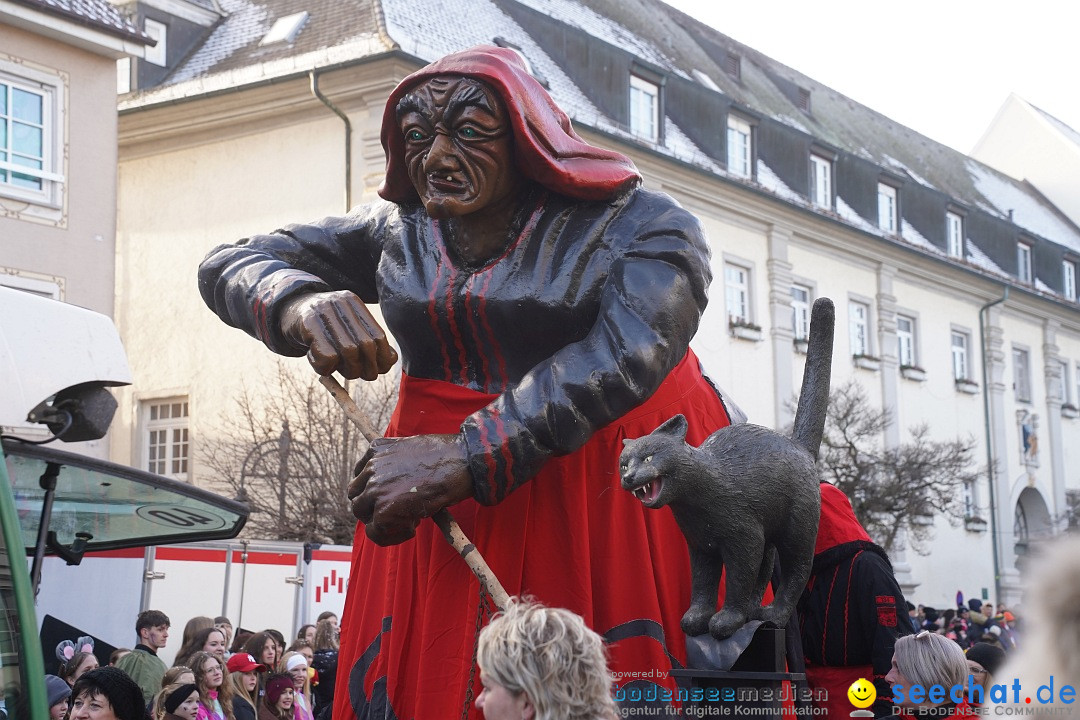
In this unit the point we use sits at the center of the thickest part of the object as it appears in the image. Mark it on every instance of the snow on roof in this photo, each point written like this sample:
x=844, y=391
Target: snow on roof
x=792, y=122
x=847, y=213
x=679, y=146
x=578, y=15
x=344, y=30
x=772, y=182
x=981, y=260
x=895, y=164
x=1027, y=211
x=913, y=236
x=430, y=29
x=246, y=20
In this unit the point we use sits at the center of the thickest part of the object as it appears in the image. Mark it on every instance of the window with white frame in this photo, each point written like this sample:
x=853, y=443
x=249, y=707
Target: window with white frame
x=737, y=292
x=1064, y=385
x=1022, y=374
x=859, y=327
x=821, y=170
x=887, y=208
x=167, y=445
x=644, y=108
x=1068, y=279
x=969, y=499
x=961, y=359
x=800, y=311
x=739, y=146
x=1023, y=262
x=954, y=235
x=905, y=341
x=158, y=31
x=30, y=121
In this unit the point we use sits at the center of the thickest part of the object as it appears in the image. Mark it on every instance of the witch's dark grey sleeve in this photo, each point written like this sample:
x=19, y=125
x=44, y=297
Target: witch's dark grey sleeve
x=246, y=283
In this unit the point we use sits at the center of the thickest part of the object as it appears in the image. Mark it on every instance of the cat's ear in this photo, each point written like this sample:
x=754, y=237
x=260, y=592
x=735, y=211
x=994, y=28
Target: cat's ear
x=675, y=426
x=627, y=441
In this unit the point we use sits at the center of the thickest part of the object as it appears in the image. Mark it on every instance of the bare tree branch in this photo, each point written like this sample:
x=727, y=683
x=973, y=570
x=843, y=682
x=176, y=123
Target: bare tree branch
x=896, y=488
x=288, y=449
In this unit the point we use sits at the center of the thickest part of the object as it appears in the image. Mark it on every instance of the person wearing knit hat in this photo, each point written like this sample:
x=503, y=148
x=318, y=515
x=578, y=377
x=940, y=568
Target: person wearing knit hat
x=983, y=661
x=296, y=665
x=278, y=702
x=178, y=701
x=57, y=691
x=106, y=694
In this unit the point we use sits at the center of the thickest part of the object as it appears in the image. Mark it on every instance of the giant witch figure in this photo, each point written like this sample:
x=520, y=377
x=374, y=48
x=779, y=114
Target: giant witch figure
x=543, y=303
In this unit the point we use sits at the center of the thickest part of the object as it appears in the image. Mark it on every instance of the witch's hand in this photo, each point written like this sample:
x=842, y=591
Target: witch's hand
x=404, y=480
x=339, y=333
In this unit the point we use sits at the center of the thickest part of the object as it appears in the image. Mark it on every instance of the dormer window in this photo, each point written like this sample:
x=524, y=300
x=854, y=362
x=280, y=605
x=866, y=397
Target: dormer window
x=954, y=235
x=644, y=108
x=159, y=31
x=1023, y=262
x=1068, y=280
x=740, y=148
x=888, y=215
x=821, y=181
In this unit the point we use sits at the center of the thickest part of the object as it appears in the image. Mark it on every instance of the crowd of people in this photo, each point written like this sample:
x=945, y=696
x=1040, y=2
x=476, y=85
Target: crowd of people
x=970, y=624
x=965, y=647
x=218, y=674
x=534, y=661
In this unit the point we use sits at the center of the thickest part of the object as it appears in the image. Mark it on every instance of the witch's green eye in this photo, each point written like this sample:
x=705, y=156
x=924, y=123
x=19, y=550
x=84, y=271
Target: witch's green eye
x=415, y=135
x=469, y=133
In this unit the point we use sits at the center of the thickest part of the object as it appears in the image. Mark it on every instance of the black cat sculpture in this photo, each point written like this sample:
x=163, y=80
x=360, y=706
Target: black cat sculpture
x=745, y=496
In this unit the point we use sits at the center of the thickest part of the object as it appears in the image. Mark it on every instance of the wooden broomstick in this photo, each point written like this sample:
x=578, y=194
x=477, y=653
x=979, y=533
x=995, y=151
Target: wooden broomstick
x=449, y=527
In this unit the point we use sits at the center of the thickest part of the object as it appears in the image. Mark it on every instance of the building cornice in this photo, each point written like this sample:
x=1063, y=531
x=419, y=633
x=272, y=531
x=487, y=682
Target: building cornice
x=282, y=101
x=364, y=50
x=69, y=32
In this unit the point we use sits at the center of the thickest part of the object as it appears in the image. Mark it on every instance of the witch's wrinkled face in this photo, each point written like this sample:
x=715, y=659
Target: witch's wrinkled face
x=458, y=146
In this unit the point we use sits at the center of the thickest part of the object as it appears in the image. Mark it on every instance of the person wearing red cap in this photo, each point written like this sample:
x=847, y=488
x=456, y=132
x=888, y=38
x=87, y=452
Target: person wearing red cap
x=543, y=303
x=244, y=677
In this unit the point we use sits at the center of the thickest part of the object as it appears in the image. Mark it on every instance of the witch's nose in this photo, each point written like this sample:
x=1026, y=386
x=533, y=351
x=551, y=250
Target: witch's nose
x=442, y=155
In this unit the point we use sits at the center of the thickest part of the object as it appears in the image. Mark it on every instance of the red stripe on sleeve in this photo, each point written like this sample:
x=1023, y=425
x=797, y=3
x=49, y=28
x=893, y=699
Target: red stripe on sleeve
x=432, y=317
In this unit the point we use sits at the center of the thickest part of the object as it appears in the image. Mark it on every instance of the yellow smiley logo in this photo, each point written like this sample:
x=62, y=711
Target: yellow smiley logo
x=862, y=693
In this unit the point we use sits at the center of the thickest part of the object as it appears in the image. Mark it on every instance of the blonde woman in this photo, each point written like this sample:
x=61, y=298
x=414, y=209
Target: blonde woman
x=295, y=665
x=926, y=659
x=244, y=677
x=540, y=663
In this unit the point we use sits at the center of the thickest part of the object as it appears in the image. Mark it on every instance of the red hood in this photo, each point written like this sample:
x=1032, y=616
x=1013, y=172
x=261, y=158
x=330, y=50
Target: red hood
x=838, y=524
x=546, y=148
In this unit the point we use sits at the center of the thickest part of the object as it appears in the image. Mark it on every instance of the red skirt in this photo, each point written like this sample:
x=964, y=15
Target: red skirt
x=571, y=538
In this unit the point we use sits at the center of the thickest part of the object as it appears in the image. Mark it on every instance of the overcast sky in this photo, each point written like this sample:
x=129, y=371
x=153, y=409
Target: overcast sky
x=941, y=67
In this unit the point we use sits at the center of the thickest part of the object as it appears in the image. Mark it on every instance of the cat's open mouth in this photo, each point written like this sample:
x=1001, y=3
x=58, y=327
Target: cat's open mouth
x=648, y=492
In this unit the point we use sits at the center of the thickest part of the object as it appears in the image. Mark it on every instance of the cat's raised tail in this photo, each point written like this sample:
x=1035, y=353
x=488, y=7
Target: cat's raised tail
x=814, y=397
